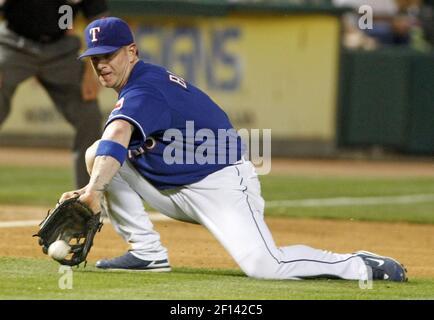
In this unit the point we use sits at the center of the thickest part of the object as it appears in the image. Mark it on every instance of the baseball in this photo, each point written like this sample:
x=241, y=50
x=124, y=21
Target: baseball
x=58, y=250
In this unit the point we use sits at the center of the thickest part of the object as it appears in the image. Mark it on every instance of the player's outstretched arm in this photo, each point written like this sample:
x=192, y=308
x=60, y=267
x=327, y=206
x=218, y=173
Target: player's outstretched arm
x=111, y=152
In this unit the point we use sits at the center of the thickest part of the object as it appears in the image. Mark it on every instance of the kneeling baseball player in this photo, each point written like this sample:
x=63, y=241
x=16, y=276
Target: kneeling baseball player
x=135, y=161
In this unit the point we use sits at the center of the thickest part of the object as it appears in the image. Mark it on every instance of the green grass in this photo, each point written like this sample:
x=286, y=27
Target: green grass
x=33, y=185
x=414, y=213
x=25, y=278
x=288, y=187
x=43, y=186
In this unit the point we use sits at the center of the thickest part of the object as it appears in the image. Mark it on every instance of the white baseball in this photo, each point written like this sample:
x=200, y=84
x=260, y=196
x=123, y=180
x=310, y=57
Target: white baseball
x=58, y=250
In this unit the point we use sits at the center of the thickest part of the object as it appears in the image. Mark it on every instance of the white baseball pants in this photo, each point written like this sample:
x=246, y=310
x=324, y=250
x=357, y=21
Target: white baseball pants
x=229, y=204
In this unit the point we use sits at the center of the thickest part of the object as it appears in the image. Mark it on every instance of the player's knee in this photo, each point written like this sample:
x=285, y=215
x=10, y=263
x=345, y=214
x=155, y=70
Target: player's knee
x=258, y=273
x=90, y=156
x=259, y=268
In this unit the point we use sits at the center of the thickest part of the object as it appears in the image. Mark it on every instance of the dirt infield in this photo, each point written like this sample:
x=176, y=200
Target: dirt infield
x=192, y=245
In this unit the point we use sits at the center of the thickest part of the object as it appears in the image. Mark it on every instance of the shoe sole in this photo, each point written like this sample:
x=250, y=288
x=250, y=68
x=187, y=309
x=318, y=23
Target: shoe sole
x=384, y=257
x=163, y=269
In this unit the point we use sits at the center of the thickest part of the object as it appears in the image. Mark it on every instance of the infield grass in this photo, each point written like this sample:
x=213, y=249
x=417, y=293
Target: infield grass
x=25, y=278
x=43, y=186
x=28, y=278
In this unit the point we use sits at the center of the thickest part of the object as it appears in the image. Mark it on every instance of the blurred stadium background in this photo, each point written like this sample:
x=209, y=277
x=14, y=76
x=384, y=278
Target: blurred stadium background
x=299, y=67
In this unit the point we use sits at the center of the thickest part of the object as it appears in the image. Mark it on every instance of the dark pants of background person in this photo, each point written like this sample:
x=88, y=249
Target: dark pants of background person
x=56, y=67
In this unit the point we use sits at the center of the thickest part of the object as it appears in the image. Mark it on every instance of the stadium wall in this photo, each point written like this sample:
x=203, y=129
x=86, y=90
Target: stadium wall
x=270, y=66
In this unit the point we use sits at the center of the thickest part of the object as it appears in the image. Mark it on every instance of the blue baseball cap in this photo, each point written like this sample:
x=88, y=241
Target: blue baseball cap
x=106, y=35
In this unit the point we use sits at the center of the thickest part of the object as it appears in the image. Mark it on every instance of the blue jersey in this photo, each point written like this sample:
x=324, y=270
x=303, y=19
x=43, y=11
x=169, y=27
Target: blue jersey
x=180, y=135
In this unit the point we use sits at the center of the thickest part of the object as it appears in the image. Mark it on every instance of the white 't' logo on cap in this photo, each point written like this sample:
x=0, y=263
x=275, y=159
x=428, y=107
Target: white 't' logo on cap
x=93, y=32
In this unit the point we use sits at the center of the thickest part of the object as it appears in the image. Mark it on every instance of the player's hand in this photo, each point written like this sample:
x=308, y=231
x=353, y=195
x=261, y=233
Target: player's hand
x=69, y=195
x=72, y=194
x=92, y=199
x=90, y=86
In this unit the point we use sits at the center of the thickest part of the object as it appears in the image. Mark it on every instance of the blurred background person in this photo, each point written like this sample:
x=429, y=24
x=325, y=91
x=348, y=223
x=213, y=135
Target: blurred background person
x=395, y=23
x=369, y=39
x=33, y=43
x=413, y=25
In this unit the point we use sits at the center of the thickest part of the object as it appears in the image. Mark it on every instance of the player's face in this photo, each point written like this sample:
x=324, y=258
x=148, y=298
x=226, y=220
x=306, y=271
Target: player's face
x=113, y=69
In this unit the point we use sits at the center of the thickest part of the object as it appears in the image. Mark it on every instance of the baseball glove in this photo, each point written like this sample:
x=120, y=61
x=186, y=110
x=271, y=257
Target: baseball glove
x=73, y=222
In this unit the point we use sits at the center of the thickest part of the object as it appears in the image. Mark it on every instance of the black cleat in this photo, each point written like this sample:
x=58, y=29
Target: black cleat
x=130, y=263
x=383, y=268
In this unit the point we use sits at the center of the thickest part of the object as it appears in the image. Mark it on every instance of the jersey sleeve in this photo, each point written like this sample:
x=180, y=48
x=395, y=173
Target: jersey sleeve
x=94, y=8
x=146, y=111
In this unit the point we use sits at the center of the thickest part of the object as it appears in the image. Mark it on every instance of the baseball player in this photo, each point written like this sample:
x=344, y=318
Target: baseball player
x=150, y=151
x=34, y=43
